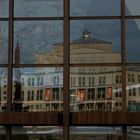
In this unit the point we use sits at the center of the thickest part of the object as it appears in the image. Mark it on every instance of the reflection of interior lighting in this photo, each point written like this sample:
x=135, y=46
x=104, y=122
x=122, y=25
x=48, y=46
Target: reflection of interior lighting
x=72, y=95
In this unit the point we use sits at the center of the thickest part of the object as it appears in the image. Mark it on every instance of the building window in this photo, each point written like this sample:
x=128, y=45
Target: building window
x=90, y=94
x=130, y=93
x=132, y=78
x=22, y=96
x=79, y=81
x=138, y=78
x=29, y=81
x=134, y=92
x=28, y=96
x=129, y=79
x=37, y=95
x=89, y=82
x=104, y=80
x=100, y=80
x=83, y=81
x=22, y=81
x=33, y=81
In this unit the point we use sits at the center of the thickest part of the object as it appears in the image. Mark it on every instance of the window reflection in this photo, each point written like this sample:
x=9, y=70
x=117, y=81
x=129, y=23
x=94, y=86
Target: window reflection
x=133, y=88
x=4, y=8
x=95, y=133
x=37, y=41
x=133, y=132
x=36, y=8
x=3, y=89
x=96, y=90
x=94, y=7
x=2, y=133
x=132, y=40
x=39, y=92
x=3, y=42
x=95, y=41
x=37, y=133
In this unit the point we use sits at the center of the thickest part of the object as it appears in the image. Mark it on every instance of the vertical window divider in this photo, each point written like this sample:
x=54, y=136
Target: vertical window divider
x=66, y=38
x=10, y=54
x=10, y=64
x=123, y=57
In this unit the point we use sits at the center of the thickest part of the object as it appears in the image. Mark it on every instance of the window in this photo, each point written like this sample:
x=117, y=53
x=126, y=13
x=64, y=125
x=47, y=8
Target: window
x=83, y=81
x=100, y=80
x=91, y=94
x=42, y=40
x=130, y=93
x=28, y=96
x=79, y=81
x=134, y=92
x=29, y=82
x=33, y=81
x=132, y=78
x=129, y=79
x=138, y=78
x=22, y=81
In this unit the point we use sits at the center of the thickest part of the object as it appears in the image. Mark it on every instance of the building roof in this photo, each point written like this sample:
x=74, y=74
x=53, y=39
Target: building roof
x=87, y=38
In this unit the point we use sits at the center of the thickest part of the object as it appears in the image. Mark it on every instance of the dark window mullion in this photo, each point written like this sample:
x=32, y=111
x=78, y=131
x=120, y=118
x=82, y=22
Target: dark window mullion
x=123, y=54
x=10, y=54
x=66, y=71
x=10, y=64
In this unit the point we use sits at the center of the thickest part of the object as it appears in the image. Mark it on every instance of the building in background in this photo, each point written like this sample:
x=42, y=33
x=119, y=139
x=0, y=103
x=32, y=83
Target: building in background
x=91, y=88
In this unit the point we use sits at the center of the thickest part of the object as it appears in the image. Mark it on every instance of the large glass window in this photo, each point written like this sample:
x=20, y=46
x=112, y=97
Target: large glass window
x=4, y=8
x=3, y=42
x=38, y=8
x=95, y=133
x=37, y=133
x=69, y=63
x=94, y=8
x=43, y=94
x=37, y=42
x=105, y=94
x=96, y=41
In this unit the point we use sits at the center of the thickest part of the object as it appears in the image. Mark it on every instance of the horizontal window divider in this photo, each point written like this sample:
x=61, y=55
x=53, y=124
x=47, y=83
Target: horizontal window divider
x=3, y=65
x=37, y=65
x=37, y=18
x=95, y=64
x=105, y=118
x=4, y=19
x=132, y=17
x=93, y=17
x=28, y=118
x=132, y=64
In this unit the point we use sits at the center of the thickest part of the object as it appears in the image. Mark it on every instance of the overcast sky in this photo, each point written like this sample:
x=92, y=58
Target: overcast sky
x=134, y=7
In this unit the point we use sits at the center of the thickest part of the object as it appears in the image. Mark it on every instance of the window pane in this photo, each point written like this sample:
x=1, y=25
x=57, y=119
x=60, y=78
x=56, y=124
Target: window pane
x=132, y=40
x=94, y=7
x=3, y=8
x=41, y=89
x=2, y=133
x=96, y=41
x=133, y=88
x=95, y=89
x=132, y=7
x=37, y=133
x=95, y=133
x=3, y=42
x=3, y=89
x=133, y=132
x=36, y=41
x=34, y=8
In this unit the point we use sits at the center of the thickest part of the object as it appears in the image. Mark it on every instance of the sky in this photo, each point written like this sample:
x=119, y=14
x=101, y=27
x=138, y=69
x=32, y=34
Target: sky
x=134, y=7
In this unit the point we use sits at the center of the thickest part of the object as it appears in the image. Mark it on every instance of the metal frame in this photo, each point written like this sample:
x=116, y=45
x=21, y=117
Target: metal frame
x=65, y=118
